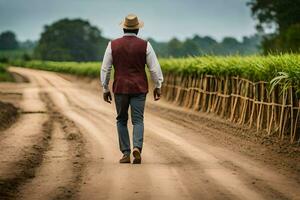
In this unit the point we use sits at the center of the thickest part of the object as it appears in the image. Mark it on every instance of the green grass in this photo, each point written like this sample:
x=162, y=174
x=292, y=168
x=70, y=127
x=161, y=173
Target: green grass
x=275, y=69
x=4, y=75
x=91, y=69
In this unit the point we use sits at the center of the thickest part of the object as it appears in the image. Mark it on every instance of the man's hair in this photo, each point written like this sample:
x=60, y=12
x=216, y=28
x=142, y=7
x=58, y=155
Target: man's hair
x=131, y=30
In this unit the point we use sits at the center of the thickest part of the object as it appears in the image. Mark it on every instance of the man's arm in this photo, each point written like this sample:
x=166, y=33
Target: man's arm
x=155, y=70
x=105, y=73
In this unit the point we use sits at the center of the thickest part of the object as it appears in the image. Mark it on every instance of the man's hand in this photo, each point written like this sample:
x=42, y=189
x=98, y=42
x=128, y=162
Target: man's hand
x=156, y=93
x=107, y=97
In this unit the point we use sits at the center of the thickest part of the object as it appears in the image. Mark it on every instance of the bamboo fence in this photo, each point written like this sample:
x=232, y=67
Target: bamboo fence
x=238, y=100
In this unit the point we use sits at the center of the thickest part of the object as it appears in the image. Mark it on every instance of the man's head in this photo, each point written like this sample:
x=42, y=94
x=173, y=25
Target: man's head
x=131, y=24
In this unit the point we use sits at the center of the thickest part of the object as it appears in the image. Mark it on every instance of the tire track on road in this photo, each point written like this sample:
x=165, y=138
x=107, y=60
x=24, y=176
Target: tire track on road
x=59, y=177
x=23, y=145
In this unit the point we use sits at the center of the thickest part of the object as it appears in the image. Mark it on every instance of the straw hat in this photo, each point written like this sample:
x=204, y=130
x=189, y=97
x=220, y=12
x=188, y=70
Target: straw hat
x=131, y=21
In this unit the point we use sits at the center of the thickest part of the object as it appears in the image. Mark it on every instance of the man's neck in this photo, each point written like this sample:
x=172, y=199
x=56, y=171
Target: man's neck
x=129, y=34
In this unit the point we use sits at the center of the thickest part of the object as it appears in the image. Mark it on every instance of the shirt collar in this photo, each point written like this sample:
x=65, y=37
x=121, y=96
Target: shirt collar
x=129, y=34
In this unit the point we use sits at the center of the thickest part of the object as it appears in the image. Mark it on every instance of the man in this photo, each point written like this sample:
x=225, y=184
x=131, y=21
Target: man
x=129, y=55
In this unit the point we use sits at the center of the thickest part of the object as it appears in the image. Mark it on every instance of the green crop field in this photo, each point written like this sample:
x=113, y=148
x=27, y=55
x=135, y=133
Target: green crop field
x=254, y=68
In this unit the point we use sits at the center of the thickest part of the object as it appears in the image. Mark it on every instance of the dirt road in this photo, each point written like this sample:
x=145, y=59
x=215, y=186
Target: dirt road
x=64, y=146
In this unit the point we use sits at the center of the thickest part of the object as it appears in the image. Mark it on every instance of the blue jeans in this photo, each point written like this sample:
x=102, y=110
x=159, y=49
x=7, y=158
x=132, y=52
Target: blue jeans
x=137, y=105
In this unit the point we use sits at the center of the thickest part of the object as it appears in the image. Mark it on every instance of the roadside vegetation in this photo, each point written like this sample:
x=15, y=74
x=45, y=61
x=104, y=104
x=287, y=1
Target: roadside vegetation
x=4, y=74
x=91, y=69
x=279, y=68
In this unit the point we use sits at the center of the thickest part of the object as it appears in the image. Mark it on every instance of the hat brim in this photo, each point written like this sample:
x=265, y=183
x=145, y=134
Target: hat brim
x=139, y=25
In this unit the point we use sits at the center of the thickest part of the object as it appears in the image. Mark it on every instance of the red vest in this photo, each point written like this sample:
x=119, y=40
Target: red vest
x=129, y=60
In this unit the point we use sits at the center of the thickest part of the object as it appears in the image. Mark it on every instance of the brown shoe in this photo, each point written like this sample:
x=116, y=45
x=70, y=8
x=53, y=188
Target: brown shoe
x=137, y=156
x=125, y=159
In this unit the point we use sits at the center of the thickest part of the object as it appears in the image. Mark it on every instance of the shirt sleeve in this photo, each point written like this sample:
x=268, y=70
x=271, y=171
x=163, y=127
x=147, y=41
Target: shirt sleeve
x=154, y=66
x=106, y=68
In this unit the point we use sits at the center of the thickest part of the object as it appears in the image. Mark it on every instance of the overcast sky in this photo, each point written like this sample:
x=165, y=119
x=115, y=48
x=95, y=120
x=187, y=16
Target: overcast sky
x=163, y=19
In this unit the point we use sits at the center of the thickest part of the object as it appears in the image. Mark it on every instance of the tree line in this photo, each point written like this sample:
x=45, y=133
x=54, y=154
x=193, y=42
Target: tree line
x=199, y=46
x=78, y=40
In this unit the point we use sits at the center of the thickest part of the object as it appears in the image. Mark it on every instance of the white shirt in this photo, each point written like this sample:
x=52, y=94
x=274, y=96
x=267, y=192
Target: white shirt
x=151, y=61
